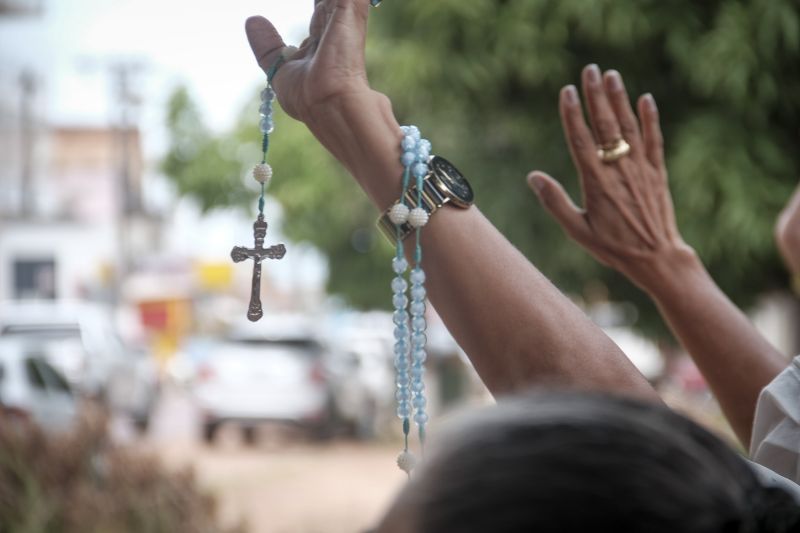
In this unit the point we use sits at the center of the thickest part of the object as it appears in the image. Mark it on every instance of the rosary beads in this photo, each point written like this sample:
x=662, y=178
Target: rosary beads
x=409, y=331
x=262, y=174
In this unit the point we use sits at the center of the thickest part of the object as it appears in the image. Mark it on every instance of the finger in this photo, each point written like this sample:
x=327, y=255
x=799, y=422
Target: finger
x=651, y=131
x=558, y=203
x=604, y=122
x=265, y=41
x=345, y=32
x=621, y=105
x=579, y=138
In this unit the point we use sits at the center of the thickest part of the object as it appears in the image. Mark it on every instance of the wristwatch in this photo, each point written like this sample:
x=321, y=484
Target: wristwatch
x=444, y=184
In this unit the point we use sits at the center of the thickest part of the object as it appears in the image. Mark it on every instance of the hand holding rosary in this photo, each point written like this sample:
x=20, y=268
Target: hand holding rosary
x=409, y=214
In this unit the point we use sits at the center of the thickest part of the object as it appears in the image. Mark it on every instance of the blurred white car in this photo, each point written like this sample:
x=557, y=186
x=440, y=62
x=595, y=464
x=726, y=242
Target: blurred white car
x=31, y=389
x=80, y=340
x=270, y=372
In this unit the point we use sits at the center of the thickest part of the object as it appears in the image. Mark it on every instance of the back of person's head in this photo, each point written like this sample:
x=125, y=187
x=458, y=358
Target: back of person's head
x=586, y=462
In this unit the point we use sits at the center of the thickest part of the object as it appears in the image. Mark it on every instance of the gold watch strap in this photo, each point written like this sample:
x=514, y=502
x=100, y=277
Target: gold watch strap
x=432, y=199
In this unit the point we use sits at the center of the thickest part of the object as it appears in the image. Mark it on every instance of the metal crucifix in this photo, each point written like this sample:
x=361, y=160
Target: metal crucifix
x=257, y=254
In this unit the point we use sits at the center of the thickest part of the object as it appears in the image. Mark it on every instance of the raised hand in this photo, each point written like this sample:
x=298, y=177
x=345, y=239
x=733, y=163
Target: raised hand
x=627, y=220
x=328, y=65
x=628, y=223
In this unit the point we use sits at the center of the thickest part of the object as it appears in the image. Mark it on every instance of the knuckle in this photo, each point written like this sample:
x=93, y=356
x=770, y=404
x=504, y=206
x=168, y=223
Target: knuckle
x=580, y=143
x=628, y=129
x=607, y=129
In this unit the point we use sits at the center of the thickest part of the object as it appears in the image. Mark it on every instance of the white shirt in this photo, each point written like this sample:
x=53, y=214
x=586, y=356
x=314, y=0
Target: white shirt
x=775, y=442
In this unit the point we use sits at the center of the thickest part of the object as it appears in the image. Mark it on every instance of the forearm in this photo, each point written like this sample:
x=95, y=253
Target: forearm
x=516, y=327
x=735, y=359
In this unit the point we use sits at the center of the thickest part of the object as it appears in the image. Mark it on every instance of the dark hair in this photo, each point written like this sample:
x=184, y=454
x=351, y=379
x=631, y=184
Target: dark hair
x=587, y=462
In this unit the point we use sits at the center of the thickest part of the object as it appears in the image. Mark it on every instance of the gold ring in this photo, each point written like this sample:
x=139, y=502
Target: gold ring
x=613, y=151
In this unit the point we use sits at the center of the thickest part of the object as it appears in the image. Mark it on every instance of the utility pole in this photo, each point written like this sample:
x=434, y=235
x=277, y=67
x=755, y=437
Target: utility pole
x=128, y=202
x=28, y=87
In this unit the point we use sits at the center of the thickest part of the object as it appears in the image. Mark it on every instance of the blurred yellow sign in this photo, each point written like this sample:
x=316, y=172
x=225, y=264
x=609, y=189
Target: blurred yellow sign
x=214, y=276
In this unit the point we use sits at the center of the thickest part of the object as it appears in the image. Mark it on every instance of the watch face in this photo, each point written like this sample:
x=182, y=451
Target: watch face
x=456, y=185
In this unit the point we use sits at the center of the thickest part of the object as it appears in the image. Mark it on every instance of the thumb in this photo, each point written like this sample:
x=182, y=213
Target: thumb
x=265, y=41
x=558, y=203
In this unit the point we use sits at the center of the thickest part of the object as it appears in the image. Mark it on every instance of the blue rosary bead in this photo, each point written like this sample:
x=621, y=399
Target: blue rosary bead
x=425, y=144
x=401, y=346
x=400, y=317
x=419, y=402
x=399, y=285
x=418, y=323
x=413, y=131
x=408, y=158
x=399, y=265
x=408, y=143
x=419, y=354
x=418, y=293
x=403, y=382
x=403, y=410
x=267, y=94
x=418, y=386
x=420, y=170
x=418, y=339
x=417, y=371
x=400, y=301
x=265, y=109
x=417, y=276
x=422, y=154
x=421, y=418
x=403, y=395
x=266, y=125
x=401, y=333
x=417, y=308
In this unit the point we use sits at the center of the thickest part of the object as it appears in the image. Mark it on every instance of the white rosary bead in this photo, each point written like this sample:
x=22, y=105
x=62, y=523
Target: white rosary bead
x=418, y=217
x=262, y=173
x=406, y=461
x=398, y=214
x=288, y=52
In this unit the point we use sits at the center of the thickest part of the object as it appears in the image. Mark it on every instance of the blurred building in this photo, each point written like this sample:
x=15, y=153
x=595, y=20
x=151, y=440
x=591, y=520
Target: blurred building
x=75, y=230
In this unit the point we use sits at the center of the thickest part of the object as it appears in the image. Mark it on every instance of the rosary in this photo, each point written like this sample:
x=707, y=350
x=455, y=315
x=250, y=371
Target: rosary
x=409, y=314
x=262, y=174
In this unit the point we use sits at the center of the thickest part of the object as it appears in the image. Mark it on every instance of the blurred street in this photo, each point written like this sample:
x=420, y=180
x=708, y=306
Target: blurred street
x=282, y=483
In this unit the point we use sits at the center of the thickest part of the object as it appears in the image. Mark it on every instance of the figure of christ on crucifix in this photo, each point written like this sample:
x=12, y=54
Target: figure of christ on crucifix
x=257, y=253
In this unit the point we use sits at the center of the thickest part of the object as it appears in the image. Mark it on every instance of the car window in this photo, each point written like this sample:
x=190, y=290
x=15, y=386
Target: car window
x=55, y=381
x=35, y=377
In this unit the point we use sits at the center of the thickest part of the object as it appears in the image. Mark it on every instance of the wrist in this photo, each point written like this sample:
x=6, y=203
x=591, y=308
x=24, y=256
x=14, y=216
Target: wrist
x=671, y=272
x=359, y=129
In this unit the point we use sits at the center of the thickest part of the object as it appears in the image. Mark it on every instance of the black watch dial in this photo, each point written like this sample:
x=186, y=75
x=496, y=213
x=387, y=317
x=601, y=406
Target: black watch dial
x=456, y=185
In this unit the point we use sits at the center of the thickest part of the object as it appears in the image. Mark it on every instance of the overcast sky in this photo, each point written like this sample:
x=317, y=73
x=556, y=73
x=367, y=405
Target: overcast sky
x=200, y=44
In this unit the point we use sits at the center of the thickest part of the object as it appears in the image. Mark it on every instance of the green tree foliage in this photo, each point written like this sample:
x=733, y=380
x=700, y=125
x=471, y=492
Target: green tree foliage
x=481, y=79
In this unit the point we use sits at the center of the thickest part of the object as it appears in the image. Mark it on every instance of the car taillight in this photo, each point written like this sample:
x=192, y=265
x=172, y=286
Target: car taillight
x=317, y=374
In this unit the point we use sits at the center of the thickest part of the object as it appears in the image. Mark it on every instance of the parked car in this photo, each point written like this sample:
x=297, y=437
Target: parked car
x=31, y=389
x=271, y=373
x=79, y=339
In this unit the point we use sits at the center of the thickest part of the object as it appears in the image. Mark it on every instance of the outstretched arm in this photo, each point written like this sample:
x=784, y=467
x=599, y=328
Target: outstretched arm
x=516, y=327
x=628, y=223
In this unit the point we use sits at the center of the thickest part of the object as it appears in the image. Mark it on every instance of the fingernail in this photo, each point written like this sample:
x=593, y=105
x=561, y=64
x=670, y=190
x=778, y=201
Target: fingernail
x=570, y=94
x=536, y=181
x=650, y=102
x=593, y=73
x=614, y=80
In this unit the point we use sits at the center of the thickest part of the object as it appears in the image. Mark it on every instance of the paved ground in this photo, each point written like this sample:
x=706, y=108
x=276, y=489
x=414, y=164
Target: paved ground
x=283, y=484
